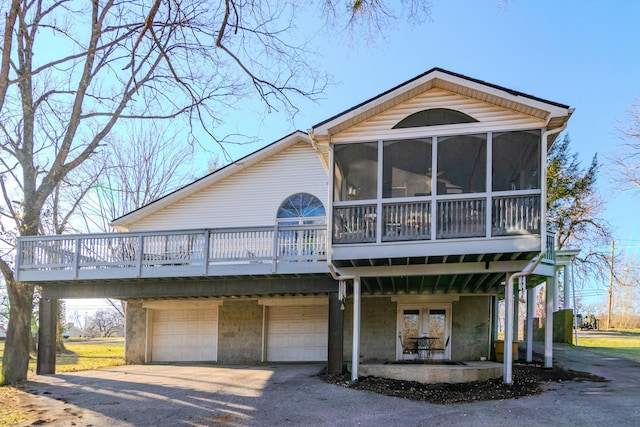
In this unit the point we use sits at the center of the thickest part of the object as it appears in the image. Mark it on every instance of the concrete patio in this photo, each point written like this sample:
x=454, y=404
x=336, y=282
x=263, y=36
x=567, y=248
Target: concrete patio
x=433, y=372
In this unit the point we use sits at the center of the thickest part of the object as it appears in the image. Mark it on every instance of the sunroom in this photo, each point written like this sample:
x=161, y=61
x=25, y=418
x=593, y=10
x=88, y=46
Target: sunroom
x=486, y=186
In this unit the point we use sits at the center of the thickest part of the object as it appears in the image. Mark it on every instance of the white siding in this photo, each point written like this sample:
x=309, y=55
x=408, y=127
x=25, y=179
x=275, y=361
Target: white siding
x=490, y=117
x=248, y=198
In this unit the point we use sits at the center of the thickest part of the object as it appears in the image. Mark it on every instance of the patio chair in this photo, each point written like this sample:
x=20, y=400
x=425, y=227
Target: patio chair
x=424, y=346
x=442, y=349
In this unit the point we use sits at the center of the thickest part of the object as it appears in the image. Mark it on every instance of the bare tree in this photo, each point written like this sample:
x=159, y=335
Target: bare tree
x=146, y=163
x=70, y=72
x=626, y=158
x=104, y=323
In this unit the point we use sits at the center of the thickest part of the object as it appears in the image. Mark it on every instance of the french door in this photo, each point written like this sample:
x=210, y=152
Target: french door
x=430, y=320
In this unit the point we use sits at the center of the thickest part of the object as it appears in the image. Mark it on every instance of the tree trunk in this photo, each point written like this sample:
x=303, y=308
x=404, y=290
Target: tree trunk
x=15, y=362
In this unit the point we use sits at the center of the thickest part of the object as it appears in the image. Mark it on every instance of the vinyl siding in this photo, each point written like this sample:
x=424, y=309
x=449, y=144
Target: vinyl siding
x=249, y=198
x=489, y=116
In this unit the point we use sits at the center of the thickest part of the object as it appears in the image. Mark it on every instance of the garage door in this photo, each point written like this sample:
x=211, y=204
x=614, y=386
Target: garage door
x=297, y=334
x=187, y=335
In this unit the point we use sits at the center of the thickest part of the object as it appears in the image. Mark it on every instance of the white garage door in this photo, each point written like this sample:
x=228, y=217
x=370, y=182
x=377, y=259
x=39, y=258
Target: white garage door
x=297, y=334
x=187, y=335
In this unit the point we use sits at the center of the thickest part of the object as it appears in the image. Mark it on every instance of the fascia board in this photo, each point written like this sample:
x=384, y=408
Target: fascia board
x=520, y=98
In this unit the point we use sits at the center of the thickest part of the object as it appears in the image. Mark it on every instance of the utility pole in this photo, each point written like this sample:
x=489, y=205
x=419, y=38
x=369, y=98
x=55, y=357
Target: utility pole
x=610, y=287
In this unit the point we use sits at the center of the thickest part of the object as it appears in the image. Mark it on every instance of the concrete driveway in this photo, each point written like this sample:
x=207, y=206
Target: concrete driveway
x=291, y=394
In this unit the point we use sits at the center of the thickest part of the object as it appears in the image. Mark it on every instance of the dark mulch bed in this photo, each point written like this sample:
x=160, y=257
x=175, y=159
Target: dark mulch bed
x=528, y=380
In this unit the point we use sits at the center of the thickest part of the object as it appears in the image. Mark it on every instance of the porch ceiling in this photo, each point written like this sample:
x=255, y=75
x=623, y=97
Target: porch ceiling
x=468, y=273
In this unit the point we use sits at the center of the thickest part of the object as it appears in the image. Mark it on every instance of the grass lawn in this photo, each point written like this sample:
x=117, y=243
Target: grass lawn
x=79, y=356
x=619, y=343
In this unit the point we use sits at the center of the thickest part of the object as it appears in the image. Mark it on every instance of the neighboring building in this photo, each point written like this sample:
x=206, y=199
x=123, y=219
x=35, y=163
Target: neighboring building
x=400, y=217
x=3, y=332
x=71, y=331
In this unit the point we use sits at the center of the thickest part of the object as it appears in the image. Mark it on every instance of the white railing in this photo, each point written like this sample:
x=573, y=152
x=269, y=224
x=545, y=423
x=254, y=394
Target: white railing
x=461, y=218
x=454, y=218
x=550, y=255
x=406, y=221
x=354, y=224
x=516, y=215
x=193, y=252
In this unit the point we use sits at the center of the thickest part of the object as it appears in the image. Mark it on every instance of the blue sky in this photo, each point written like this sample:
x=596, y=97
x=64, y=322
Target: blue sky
x=585, y=54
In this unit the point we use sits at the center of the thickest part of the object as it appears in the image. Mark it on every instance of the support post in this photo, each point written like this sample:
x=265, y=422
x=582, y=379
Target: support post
x=496, y=320
x=548, y=322
x=48, y=322
x=516, y=312
x=566, y=296
x=336, y=332
x=355, y=353
x=531, y=312
x=508, y=331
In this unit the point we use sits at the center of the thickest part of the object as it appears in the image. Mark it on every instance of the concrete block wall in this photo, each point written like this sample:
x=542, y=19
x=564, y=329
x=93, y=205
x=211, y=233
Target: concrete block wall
x=377, y=329
x=562, y=327
x=240, y=332
x=470, y=320
x=135, y=332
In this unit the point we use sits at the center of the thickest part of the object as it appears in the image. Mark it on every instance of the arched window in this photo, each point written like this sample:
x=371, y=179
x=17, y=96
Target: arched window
x=301, y=208
x=434, y=117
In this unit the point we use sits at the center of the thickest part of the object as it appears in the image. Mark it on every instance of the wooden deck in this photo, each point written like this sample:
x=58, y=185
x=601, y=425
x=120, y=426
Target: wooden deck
x=282, y=249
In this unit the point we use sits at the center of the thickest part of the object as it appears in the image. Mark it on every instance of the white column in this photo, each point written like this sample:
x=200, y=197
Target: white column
x=556, y=294
x=355, y=353
x=548, y=323
x=508, y=331
x=516, y=311
x=531, y=312
x=496, y=318
x=566, y=295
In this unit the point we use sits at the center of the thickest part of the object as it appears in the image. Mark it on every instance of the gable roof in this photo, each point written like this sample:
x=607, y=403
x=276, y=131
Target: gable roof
x=123, y=222
x=554, y=114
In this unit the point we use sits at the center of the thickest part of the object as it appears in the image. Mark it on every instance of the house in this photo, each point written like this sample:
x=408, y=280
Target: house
x=3, y=332
x=407, y=215
x=72, y=331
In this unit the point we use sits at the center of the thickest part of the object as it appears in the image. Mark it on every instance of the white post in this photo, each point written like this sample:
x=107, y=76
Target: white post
x=548, y=323
x=516, y=312
x=556, y=294
x=355, y=353
x=496, y=318
x=566, y=295
x=531, y=312
x=508, y=330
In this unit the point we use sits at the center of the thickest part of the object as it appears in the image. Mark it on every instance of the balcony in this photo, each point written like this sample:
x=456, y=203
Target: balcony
x=280, y=249
x=504, y=223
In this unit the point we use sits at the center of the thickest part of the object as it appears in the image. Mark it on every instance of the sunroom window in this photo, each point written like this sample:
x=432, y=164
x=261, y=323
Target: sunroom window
x=356, y=171
x=406, y=168
x=516, y=160
x=386, y=190
x=462, y=164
